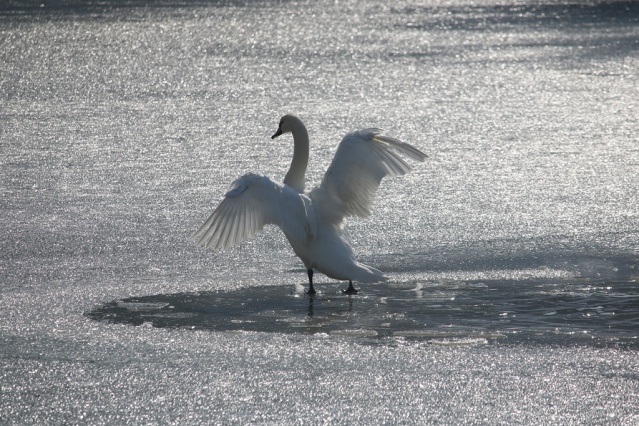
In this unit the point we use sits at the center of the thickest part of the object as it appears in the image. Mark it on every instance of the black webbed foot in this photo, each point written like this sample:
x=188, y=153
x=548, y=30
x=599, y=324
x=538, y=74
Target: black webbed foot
x=350, y=290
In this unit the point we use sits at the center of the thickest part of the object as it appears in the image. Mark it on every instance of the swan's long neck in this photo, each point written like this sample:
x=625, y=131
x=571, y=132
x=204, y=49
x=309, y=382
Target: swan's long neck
x=295, y=176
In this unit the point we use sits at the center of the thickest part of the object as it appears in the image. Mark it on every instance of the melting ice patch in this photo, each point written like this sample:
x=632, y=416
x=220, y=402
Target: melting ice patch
x=445, y=313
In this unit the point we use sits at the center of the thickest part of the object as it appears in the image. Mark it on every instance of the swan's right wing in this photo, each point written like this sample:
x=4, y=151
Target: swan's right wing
x=252, y=202
x=362, y=160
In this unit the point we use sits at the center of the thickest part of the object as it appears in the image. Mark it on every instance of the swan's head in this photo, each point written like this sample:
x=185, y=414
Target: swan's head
x=287, y=124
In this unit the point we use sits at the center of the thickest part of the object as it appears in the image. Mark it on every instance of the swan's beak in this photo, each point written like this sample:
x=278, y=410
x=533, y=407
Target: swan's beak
x=279, y=132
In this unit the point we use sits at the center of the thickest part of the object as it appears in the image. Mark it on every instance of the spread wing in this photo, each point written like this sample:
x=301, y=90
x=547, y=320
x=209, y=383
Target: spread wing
x=252, y=202
x=362, y=160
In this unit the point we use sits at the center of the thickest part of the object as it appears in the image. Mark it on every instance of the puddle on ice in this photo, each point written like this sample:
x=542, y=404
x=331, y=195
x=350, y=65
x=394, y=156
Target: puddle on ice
x=465, y=314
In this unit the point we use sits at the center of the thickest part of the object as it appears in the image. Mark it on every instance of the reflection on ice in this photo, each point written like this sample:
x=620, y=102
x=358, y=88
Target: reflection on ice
x=354, y=333
x=451, y=313
x=459, y=342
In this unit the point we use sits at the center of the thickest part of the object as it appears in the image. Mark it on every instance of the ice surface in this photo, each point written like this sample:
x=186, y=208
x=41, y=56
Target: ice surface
x=512, y=251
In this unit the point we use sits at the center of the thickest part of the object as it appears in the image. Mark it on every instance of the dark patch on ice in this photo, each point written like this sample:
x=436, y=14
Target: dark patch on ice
x=602, y=313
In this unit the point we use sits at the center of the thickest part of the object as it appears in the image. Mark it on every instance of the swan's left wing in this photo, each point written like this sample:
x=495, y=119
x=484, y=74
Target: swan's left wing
x=362, y=160
x=252, y=202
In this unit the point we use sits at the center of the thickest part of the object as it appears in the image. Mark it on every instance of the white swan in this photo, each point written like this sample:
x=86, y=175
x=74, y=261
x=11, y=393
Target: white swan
x=312, y=221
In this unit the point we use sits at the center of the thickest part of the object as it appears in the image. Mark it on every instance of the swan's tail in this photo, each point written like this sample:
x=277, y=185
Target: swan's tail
x=368, y=274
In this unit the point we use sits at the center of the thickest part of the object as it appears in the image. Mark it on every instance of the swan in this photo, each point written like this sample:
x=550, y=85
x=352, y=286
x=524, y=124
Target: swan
x=313, y=222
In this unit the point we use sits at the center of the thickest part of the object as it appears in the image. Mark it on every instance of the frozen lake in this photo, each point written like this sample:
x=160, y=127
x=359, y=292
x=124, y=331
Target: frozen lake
x=512, y=252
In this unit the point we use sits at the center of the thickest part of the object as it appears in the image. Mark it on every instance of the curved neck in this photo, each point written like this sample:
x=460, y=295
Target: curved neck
x=295, y=176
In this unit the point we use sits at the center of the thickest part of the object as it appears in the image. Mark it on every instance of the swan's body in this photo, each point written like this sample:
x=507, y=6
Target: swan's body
x=312, y=221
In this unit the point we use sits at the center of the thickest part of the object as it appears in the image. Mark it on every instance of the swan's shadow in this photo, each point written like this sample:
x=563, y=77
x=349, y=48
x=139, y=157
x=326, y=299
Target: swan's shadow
x=542, y=312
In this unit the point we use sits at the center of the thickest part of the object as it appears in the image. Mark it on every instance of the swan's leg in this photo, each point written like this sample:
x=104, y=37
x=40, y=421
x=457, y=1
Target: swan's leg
x=350, y=289
x=311, y=290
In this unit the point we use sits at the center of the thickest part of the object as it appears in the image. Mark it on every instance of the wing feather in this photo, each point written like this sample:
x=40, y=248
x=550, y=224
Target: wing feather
x=252, y=202
x=362, y=160
x=229, y=230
